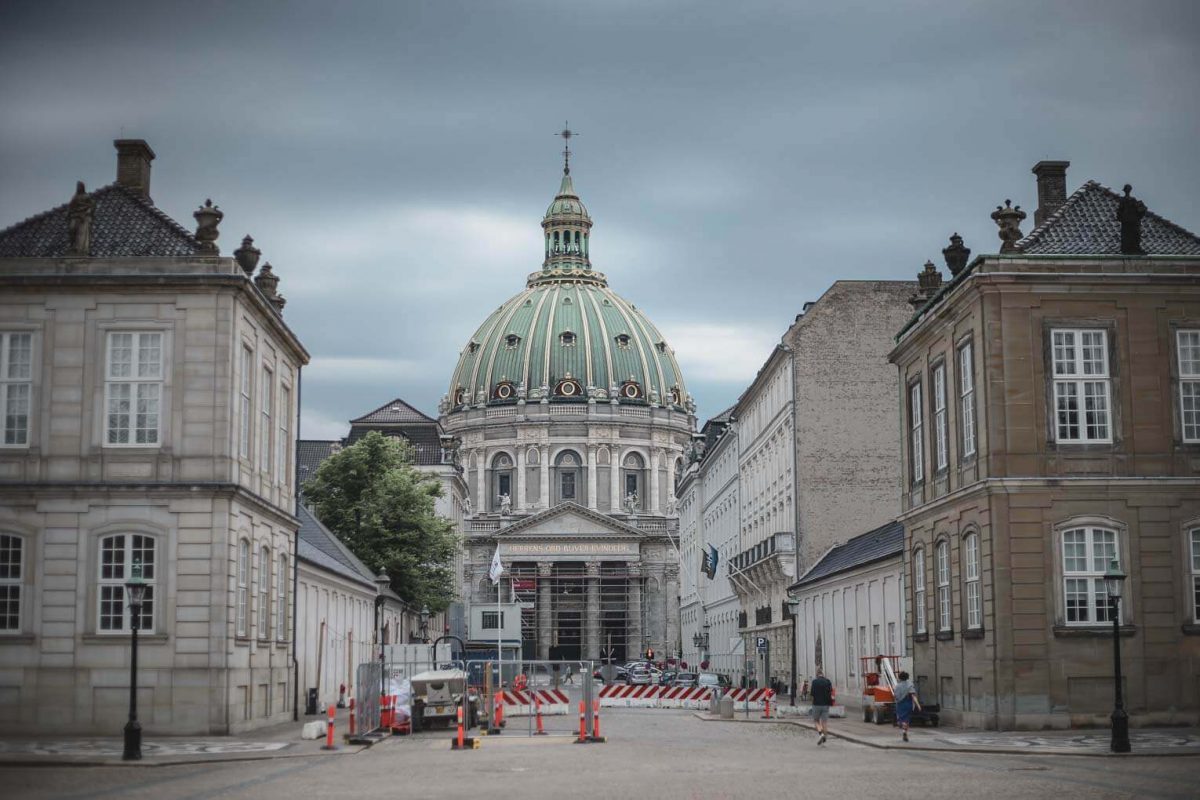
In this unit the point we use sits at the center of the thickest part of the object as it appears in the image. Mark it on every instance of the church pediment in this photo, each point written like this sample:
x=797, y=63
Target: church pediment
x=569, y=520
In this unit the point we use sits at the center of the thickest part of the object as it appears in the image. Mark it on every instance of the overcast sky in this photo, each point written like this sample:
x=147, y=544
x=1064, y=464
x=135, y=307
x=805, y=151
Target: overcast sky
x=393, y=160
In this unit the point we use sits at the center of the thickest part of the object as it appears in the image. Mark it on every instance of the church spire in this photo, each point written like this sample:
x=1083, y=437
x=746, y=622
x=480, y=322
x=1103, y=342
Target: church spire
x=567, y=225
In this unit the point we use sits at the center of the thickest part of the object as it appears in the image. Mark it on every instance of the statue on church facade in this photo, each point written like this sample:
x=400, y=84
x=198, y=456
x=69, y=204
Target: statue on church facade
x=505, y=505
x=79, y=222
x=1130, y=211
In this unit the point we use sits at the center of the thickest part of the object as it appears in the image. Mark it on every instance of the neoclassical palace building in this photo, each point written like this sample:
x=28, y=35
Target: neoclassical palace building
x=573, y=417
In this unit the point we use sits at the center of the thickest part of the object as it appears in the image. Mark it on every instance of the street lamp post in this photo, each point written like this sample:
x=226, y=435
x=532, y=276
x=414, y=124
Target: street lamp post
x=793, y=603
x=383, y=582
x=135, y=588
x=1114, y=580
x=425, y=624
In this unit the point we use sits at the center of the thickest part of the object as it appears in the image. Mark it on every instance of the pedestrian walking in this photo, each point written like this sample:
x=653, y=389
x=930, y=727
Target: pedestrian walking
x=906, y=700
x=570, y=677
x=804, y=690
x=822, y=699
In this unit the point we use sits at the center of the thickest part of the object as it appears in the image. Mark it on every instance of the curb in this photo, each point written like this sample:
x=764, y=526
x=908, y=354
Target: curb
x=916, y=747
x=152, y=761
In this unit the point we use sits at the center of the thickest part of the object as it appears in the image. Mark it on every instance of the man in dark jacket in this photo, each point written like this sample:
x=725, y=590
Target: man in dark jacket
x=822, y=699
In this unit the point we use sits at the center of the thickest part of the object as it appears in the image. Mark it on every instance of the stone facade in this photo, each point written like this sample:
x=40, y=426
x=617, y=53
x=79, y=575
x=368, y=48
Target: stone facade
x=1016, y=499
x=162, y=407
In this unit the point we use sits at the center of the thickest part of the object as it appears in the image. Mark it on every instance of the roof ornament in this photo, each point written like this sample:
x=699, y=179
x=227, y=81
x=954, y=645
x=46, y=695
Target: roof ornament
x=566, y=133
x=267, y=282
x=1130, y=211
x=1008, y=217
x=79, y=222
x=208, y=217
x=956, y=254
x=247, y=255
x=930, y=281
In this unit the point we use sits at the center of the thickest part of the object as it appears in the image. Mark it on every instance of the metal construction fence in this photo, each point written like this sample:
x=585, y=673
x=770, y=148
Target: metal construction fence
x=366, y=695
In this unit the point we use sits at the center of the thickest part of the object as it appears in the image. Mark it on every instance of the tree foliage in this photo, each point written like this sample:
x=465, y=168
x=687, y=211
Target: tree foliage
x=383, y=508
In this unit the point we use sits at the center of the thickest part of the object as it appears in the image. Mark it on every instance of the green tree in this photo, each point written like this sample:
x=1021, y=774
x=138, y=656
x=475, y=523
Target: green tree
x=383, y=508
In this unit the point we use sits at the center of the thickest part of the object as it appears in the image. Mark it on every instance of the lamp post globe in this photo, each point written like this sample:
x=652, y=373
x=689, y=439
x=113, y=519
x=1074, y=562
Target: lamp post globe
x=1114, y=582
x=135, y=590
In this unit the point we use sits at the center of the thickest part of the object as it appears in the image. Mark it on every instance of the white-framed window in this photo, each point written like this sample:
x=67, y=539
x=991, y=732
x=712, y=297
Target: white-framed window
x=283, y=443
x=850, y=662
x=247, y=390
x=12, y=563
x=281, y=596
x=262, y=614
x=916, y=428
x=1081, y=386
x=1194, y=544
x=892, y=640
x=264, y=428
x=243, y=586
x=118, y=555
x=492, y=620
x=1188, y=349
x=1087, y=553
x=875, y=640
x=16, y=387
x=940, y=431
x=943, y=585
x=966, y=397
x=862, y=641
x=133, y=388
x=919, y=624
x=971, y=581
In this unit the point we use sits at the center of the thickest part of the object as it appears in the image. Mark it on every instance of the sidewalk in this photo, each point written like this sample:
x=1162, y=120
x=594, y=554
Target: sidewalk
x=274, y=742
x=1090, y=742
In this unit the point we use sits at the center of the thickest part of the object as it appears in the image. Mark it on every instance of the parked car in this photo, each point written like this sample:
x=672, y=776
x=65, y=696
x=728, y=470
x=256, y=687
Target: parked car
x=638, y=677
x=714, y=680
x=686, y=679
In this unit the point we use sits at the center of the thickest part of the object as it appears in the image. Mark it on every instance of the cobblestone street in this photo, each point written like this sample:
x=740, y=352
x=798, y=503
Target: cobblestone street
x=665, y=754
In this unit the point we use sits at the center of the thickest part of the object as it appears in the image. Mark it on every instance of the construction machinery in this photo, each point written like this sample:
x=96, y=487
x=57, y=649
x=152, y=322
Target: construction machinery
x=436, y=695
x=879, y=693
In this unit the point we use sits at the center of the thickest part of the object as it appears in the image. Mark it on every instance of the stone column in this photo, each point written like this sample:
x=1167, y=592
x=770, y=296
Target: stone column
x=591, y=625
x=544, y=461
x=591, y=477
x=483, y=503
x=545, y=610
x=673, y=643
x=657, y=623
x=614, y=488
x=654, y=507
x=633, y=612
x=520, y=504
x=670, y=480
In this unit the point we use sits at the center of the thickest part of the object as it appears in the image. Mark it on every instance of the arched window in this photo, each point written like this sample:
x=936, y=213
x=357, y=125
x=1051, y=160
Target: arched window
x=1087, y=553
x=568, y=467
x=633, y=481
x=12, y=562
x=943, y=586
x=502, y=479
x=243, y=586
x=973, y=594
x=262, y=614
x=281, y=596
x=119, y=554
x=919, y=626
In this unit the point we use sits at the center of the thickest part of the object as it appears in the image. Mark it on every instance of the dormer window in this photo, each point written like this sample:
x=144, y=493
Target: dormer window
x=566, y=339
x=473, y=347
x=623, y=341
x=662, y=347
x=511, y=341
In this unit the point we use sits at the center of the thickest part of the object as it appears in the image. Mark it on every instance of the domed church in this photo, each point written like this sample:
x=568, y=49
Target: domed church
x=572, y=418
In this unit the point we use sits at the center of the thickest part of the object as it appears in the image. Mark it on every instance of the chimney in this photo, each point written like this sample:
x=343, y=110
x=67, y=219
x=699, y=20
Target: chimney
x=133, y=165
x=1052, y=188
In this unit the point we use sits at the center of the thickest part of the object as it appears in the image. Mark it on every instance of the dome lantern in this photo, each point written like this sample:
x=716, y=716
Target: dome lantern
x=567, y=226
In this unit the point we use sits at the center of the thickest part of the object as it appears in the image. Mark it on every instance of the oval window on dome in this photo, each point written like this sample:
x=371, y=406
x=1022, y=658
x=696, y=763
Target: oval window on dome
x=568, y=387
x=630, y=390
x=504, y=391
x=567, y=339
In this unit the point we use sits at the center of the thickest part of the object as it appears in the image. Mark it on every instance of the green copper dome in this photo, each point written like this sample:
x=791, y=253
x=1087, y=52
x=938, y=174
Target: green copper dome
x=568, y=337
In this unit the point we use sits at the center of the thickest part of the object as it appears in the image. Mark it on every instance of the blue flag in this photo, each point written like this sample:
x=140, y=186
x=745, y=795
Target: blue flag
x=710, y=562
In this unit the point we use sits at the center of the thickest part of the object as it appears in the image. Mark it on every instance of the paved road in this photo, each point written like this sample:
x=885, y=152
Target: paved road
x=651, y=753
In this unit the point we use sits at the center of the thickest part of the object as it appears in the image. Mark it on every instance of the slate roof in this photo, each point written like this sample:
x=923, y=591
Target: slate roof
x=397, y=411
x=310, y=453
x=321, y=548
x=1086, y=224
x=882, y=542
x=425, y=439
x=124, y=224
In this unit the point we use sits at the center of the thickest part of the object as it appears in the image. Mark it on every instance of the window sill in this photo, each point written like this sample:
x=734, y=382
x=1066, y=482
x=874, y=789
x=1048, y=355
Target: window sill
x=1091, y=632
x=920, y=637
x=125, y=638
x=17, y=638
x=1190, y=628
x=945, y=636
x=973, y=633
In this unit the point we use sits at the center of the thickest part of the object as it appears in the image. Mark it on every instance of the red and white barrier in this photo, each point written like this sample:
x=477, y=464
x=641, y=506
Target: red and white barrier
x=520, y=702
x=625, y=696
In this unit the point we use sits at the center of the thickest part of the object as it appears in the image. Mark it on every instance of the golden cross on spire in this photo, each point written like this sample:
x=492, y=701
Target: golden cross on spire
x=566, y=133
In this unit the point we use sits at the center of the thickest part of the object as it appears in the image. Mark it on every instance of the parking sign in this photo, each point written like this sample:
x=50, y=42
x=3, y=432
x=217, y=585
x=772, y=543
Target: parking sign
x=762, y=644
